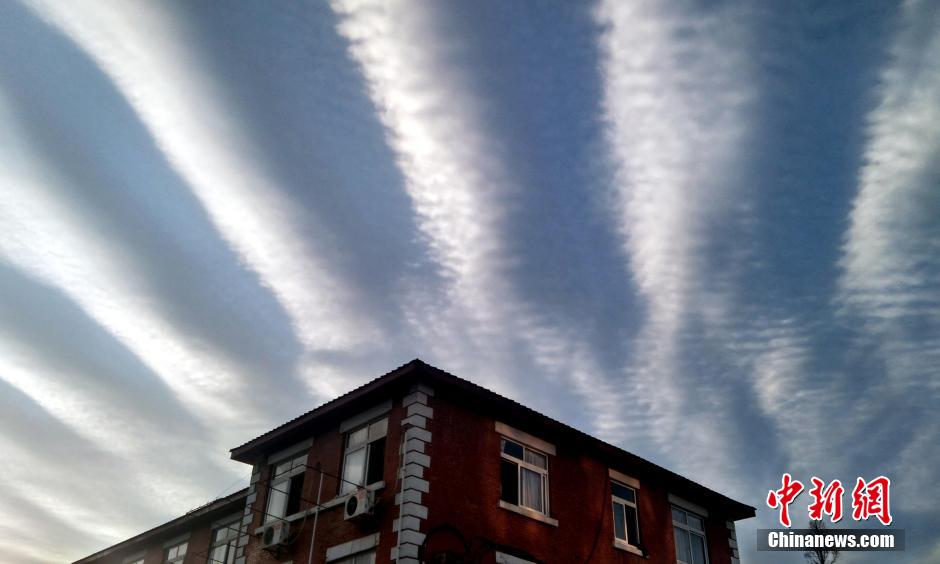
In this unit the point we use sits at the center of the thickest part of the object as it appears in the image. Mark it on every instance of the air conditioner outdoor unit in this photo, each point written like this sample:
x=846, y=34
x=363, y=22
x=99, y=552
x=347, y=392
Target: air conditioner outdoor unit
x=360, y=503
x=275, y=534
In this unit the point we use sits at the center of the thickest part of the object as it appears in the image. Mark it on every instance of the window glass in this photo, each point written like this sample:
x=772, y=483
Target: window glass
x=224, y=538
x=536, y=458
x=620, y=525
x=378, y=429
x=678, y=516
x=364, y=462
x=277, y=502
x=633, y=528
x=698, y=549
x=176, y=553
x=358, y=437
x=683, y=548
x=282, y=468
x=513, y=449
x=623, y=492
x=532, y=490
x=691, y=546
x=353, y=471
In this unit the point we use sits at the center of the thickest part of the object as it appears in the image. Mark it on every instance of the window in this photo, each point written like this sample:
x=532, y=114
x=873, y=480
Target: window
x=367, y=557
x=524, y=476
x=626, y=524
x=286, y=487
x=177, y=553
x=364, y=458
x=222, y=550
x=689, y=531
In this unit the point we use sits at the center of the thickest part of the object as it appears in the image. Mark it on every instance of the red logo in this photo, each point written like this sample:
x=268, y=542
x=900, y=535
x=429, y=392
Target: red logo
x=869, y=499
x=783, y=497
x=872, y=499
x=826, y=501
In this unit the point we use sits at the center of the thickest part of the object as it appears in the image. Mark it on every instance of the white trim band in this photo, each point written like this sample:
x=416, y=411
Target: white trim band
x=526, y=438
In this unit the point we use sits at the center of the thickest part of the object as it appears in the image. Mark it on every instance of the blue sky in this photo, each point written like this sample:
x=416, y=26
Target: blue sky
x=708, y=232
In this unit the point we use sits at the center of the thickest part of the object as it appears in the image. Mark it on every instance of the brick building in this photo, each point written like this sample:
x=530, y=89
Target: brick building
x=430, y=467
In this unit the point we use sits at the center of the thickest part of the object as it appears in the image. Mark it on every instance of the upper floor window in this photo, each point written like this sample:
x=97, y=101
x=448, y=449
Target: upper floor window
x=222, y=550
x=689, y=531
x=286, y=488
x=524, y=476
x=626, y=523
x=176, y=553
x=364, y=458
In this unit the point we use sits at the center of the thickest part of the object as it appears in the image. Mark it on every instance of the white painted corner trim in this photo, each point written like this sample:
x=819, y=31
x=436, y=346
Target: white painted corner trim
x=623, y=478
x=525, y=438
x=688, y=505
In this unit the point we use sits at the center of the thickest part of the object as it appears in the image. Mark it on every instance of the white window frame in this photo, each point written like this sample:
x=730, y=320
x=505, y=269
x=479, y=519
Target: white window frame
x=178, y=558
x=358, y=557
x=232, y=526
x=375, y=430
x=625, y=543
x=520, y=464
x=297, y=465
x=689, y=530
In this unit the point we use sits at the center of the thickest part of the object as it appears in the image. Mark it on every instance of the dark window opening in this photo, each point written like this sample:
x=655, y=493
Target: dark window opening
x=295, y=492
x=509, y=477
x=376, y=471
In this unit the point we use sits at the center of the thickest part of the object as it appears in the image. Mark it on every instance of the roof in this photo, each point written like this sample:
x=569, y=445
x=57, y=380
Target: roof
x=215, y=506
x=419, y=371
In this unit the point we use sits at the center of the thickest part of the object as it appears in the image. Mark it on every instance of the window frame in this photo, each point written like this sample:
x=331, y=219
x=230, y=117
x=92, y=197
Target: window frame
x=688, y=530
x=230, y=541
x=178, y=558
x=522, y=463
x=345, y=485
x=354, y=558
x=298, y=467
x=615, y=499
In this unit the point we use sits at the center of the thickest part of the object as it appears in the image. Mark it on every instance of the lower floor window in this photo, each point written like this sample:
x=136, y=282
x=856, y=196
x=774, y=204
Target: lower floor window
x=367, y=557
x=689, y=530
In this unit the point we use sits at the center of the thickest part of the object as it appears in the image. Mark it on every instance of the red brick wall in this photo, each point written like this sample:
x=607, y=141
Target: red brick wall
x=465, y=489
x=332, y=529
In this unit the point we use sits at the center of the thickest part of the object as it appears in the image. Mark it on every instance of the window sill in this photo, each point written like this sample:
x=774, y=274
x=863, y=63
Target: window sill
x=335, y=502
x=623, y=545
x=531, y=513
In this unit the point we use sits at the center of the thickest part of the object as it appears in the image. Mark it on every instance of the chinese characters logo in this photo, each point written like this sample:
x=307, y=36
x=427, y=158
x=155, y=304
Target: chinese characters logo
x=869, y=499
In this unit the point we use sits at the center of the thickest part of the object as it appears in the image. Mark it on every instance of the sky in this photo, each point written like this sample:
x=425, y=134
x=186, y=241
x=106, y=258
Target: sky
x=705, y=231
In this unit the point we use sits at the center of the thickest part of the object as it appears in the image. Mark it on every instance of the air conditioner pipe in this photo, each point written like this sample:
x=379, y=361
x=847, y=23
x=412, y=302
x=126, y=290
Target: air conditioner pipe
x=316, y=516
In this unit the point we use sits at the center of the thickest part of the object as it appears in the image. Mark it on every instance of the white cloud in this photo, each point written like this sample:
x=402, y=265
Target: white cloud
x=142, y=48
x=462, y=191
x=676, y=116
